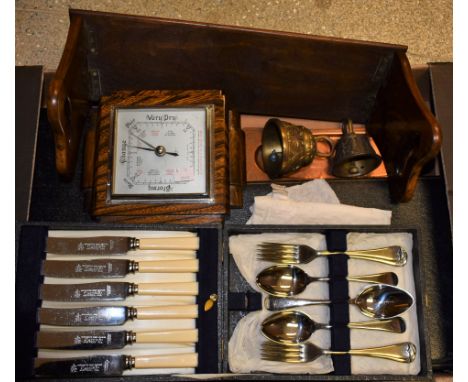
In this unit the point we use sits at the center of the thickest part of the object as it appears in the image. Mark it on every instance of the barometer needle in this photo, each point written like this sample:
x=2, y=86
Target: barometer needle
x=154, y=150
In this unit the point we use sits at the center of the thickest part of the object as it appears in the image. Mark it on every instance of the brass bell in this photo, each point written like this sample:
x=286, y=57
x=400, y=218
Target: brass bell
x=287, y=147
x=354, y=155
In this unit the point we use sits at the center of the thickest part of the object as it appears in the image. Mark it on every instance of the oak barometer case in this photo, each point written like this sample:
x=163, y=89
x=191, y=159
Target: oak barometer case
x=161, y=152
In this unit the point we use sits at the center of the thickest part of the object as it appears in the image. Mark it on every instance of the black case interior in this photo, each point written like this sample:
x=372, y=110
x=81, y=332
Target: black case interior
x=31, y=250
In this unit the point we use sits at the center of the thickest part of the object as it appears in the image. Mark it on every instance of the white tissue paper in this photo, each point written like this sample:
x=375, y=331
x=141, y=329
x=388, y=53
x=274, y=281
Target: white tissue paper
x=244, y=344
x=312, y=202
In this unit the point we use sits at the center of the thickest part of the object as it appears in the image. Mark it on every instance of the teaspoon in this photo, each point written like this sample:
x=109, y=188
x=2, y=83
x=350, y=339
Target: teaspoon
x=377, y=301
x=289, y=280
x=291, y=326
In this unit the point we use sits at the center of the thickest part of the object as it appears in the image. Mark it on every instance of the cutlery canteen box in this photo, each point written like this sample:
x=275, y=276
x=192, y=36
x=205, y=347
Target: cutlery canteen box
x=259, y=73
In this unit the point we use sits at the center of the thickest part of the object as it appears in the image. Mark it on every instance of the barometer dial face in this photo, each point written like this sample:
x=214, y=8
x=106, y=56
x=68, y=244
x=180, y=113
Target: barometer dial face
x=160, y=151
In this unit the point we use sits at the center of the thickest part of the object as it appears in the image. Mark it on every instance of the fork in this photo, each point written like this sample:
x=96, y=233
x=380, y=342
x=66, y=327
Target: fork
x=303, y=254
x=404, y=352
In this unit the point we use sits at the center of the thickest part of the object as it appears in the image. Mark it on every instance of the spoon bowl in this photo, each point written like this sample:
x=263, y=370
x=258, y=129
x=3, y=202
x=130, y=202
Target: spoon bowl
x=283, y=280
x=290, y=280
x=289, y=327
x=376, y=301
x=383, y=301
x=292, y=326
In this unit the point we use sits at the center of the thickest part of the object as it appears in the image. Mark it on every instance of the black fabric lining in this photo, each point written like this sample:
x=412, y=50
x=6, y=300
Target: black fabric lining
x=31, y=252
x=339, y=295
x=248, y=301
x=207, y=322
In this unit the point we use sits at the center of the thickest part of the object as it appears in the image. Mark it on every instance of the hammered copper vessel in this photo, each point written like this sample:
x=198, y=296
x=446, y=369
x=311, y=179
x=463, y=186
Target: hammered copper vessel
x=287, y=147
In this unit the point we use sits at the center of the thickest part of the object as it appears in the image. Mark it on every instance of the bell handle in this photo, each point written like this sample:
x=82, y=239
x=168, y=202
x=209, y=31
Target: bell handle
x=329, y=142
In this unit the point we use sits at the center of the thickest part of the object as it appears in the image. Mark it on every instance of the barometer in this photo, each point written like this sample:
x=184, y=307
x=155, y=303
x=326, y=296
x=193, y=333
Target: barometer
x=161, y=157
x=161, y=152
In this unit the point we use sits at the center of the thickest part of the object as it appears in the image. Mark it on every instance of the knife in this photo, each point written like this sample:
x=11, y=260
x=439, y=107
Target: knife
x=110, y=365
x=115, y=245
x=114, y=268
x=112, y=315
x=104, y=339
x=114, y=291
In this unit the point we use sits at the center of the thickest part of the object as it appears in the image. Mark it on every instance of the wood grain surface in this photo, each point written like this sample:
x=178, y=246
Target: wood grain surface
x=260, y=72
x=405, y=130
x=103, y=206
x=67, y=102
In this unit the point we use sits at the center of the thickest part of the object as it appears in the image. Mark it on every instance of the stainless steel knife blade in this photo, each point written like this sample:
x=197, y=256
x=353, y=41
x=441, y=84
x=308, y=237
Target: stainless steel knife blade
x=114, y=291
x=99, y=268
x=83, y=340
x=110, y=365
x=110, y=339
x=94, y=366
x=102, y=245
x=89, y=316
x=99, y=291
x=112, y=315
x=116, y=245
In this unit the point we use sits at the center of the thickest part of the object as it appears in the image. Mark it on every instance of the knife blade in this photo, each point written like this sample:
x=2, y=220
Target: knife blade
x=110, y=365
x=114, y=291
x=114, y=268
x=105, y=339
x=112, y=315
x=117, y=245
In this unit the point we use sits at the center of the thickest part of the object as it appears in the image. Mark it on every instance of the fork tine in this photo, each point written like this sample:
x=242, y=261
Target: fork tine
x=281, y=359
x=279, y=251
x=277, y=245
x=277, y=259
x=277, y=256
x=271, y=351
x=276, y=347
x=280, y=356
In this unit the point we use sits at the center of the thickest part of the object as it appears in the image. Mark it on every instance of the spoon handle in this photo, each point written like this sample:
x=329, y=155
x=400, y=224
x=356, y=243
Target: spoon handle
x=388, y=278
x=394, y=325
x=394, y=255
x=404, y=352
x=277, y=303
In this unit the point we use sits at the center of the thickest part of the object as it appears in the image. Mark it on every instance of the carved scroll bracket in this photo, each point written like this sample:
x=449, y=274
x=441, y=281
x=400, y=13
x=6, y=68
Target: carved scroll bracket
x=405, y=130
x=67, y=104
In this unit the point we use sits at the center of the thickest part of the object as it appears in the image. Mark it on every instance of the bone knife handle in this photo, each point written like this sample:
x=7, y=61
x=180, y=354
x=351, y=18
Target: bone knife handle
x=166, y=360
x=168, y=289
x=181, y=242
x=163, y=312
x=168, y=336
x=168, y=266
